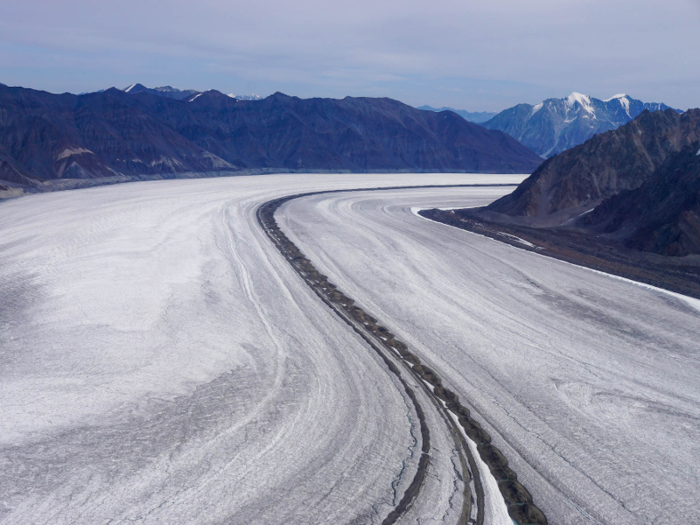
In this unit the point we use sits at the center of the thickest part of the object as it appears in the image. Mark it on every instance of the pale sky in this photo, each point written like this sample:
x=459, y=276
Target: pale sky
x=468, y=54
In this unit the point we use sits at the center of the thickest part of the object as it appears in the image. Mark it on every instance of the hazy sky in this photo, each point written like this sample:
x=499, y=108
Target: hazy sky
x=468, y=54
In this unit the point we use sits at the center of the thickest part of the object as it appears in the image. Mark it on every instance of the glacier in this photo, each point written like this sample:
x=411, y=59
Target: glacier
x=163, y=363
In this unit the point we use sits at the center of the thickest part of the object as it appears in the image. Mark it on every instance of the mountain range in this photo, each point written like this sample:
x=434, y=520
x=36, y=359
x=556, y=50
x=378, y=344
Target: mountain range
x=555, y=125
x=476, y=116
x=136, y=132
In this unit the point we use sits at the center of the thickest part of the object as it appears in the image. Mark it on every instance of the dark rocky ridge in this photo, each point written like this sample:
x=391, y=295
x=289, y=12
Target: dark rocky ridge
x=47, y=137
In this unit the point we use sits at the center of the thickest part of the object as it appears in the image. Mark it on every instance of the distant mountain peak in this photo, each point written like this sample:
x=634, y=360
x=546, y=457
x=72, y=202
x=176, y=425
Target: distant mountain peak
x=134, y=87
x=578, y=97
x=472, y=116
x=582, y=100
x=557, y=124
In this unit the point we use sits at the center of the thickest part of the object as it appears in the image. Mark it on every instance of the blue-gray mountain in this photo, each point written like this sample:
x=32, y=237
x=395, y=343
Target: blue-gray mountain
x=44, y=137
x=558, y=124
x=472, y=116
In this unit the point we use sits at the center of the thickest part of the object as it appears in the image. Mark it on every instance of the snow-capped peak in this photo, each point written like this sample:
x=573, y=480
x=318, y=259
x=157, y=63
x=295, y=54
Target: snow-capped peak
x=583, y=100
x=621, y=95
x=623, y=100
x=578, y=97
x=536, y=108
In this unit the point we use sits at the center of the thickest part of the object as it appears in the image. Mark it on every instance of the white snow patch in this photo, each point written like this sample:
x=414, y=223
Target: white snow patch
x=132, y=86
x=245, y=97
x=217, y=162
x=517, y=239
x=415, y=210
x=625, y=103
x=495, y=508
x=166, y=161
x=536, y=108
x=195, y=97
x=698, y=153
x=575, y=218
x=71, y=151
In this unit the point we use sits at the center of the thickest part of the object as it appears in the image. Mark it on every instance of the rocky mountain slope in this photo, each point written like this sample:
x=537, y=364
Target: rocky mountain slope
x=555, y=125
x=45, y=136
x=472, y=116
x=579, y=179
x=661, y=216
